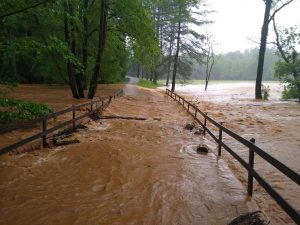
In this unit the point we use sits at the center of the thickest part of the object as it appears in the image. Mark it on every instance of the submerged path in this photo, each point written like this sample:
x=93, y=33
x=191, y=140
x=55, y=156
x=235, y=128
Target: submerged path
x=124, y=172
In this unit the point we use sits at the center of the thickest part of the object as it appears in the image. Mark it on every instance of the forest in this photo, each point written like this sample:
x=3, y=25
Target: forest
x=239, y=66
x=82, y=43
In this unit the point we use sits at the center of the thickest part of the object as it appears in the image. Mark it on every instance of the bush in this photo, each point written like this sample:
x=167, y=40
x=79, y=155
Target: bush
x=17, y=110
x=290, y=92
x=265, y=91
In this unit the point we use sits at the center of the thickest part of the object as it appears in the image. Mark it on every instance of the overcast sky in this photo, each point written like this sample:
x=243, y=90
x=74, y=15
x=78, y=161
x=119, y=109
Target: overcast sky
x=238, y=20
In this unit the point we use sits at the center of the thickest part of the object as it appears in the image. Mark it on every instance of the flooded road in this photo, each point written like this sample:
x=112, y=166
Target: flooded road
x=275, y=125
x=124, y=172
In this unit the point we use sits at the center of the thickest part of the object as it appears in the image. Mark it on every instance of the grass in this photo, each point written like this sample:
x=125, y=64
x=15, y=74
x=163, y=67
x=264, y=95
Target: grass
x=17, y=110
x=148, y=84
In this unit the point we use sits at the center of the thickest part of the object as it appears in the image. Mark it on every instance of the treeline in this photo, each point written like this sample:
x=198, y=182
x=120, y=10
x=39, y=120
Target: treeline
x=239, y=66
x=86, y=42
x=75, y=42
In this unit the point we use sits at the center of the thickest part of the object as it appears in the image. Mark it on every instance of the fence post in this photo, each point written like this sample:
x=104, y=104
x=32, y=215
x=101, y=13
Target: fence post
x=251, y=164
x=188, y=106
x=44, y=135
x=73, y=119
x=220, y=140
x=195, y=111
x=91, y=105
x=205, y=123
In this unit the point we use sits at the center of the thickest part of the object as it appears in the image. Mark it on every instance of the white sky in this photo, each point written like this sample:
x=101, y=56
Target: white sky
x=238, y=20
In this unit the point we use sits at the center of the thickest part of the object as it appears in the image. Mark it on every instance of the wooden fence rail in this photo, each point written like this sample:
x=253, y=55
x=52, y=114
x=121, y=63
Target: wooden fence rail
x=252, y=173
x=100, y=104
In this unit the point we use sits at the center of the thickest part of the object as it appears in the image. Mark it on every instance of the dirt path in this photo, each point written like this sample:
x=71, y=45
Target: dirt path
x=123, y=172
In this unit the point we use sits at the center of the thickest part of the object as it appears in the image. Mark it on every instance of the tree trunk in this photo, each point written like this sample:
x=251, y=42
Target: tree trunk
x=170, y=54
x=155, y=77
x=72, y=81
x=101, y=45
x=85, y=43
x=262, y=49
x=78, y=75
x=168, y=70
x=138, y=70
x=206, y=83
x=177, y=51
x=14, y=66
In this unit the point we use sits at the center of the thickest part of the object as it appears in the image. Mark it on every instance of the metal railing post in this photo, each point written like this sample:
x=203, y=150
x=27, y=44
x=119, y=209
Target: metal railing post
x=195, y=111
x=220, y=140
x=91, y=105
x=205, y=120
x=251, y=164
x=44, y=135
x=73, y=119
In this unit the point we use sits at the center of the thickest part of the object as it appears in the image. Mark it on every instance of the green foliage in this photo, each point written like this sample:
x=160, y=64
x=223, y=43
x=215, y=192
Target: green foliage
x=16, y=110
x=115, y=60
x=288, y=68
x=290, y=92
x=147, y=84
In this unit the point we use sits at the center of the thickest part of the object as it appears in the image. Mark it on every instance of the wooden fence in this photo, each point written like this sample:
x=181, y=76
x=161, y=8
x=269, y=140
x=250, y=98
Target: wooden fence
x=94, y=106
x=252, y=173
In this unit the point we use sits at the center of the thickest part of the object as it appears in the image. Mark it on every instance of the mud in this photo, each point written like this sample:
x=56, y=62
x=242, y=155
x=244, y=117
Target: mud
x=275, y=125
x=124, y=172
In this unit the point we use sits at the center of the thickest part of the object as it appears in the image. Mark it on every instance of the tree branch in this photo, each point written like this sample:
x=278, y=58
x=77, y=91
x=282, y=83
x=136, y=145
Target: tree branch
x=277, y=10
x=22, y=10
x=278, y=43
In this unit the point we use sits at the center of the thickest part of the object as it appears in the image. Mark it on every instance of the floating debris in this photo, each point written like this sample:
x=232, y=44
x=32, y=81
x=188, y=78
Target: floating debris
x=190, y=126
x=252, y=218
x=202, y=148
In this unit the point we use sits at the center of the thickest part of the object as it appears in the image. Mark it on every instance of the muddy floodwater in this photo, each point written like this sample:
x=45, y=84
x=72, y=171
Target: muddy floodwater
x=274, y=124
x=124, y=172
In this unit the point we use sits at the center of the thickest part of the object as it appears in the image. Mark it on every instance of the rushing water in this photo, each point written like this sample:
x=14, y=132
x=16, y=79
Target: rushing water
x=275, y=125
x=149, y=172
x=124, y=172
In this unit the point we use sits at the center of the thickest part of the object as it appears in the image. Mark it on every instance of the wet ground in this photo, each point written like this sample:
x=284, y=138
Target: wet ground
x=275, y=125
x=124, y=172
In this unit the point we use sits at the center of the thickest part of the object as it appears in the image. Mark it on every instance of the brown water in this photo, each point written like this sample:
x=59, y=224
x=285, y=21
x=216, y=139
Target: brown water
x=275, y=125
x=124, y=172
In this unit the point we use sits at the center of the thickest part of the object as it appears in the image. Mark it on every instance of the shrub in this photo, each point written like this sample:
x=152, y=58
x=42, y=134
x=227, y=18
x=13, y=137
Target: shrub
x=290, y=92
x=17, y=110
x=265, y=91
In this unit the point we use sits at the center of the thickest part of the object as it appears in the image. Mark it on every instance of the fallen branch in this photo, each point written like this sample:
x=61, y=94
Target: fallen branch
x=123, y=117
x=65, y=142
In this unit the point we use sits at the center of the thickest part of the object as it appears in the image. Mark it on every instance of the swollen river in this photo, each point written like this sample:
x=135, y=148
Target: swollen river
x=274, y=124
x=128, y=171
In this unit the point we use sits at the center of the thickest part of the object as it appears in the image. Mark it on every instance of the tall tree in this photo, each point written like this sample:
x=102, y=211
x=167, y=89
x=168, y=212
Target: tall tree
x=101, y=45
x=268, y=16
x=70, y=66
x=209, y=58
x=189, y=43
x=288, y=69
